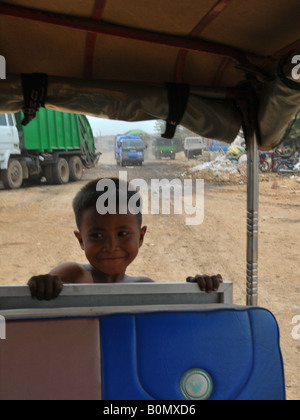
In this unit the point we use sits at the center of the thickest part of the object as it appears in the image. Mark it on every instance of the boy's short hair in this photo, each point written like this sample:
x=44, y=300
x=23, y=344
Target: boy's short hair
x=88, y=196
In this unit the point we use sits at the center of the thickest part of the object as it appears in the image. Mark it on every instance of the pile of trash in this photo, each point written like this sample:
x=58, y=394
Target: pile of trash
x=229, y=167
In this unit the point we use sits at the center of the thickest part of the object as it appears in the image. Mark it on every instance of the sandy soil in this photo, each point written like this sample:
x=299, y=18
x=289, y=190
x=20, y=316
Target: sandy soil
x=36, y=234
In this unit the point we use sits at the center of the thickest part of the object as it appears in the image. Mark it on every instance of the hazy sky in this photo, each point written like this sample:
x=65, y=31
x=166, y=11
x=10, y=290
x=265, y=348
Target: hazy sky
x=106, y=127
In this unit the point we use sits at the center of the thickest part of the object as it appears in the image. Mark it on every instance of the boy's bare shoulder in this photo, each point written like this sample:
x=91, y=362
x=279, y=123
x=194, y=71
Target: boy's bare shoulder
x=72, y=272
x=128, y=279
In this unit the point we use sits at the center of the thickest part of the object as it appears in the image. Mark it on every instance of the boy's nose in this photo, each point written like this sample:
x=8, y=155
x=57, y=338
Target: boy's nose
x=111, y=244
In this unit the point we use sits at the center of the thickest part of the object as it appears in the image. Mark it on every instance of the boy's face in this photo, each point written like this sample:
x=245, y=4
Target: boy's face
x=111, y=242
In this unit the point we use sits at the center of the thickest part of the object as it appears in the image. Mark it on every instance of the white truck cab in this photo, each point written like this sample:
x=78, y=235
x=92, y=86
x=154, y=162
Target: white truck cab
x=194, y=146
x=10, y=167
x=9, y=139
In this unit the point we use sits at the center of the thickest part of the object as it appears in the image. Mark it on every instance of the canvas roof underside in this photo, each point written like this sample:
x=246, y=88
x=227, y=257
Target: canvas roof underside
x=113, y=58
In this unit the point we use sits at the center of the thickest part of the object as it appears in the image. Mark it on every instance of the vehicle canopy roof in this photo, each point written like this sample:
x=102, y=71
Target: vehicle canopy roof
x=200, y=63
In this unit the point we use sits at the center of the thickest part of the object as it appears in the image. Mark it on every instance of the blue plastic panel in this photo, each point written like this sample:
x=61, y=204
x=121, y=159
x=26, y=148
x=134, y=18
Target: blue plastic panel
x=145, y=356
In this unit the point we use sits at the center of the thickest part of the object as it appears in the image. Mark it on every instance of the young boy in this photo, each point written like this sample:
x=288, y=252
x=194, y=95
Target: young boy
x=111, y=242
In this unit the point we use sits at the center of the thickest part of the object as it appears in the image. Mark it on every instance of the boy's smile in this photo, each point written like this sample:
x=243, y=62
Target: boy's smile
x=110, y=242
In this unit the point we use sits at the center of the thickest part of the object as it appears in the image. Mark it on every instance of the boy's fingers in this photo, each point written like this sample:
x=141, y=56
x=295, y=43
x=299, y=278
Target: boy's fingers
x=45, y=287
x=206, y=283
x=53, y=287
x=216, y=283
x=48, y=287
x=209, y=284
x=32, y=286
x=58, y=286
x=217, y=280
x=201, y=282
x=220, y=278
x=40, y=288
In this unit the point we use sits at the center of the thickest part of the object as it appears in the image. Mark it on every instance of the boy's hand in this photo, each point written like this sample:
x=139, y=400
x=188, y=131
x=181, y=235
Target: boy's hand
x=45, y=287
x=206, y=283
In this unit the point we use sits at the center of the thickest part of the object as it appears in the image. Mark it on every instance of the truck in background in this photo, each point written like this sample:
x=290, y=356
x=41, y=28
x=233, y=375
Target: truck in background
x=54, y=145
x=129, y=150
x=164, y=148
x=194, y=146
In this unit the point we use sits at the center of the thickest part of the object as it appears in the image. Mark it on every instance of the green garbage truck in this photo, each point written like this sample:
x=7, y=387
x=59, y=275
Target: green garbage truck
x=54, y=145
x=164, y=148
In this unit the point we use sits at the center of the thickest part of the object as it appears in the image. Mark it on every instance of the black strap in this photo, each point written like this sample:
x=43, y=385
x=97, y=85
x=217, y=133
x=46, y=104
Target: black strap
x=35, y=92
x=178, y=95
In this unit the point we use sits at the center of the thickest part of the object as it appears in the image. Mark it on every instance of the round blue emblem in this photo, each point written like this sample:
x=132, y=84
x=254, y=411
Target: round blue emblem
x=196, y=384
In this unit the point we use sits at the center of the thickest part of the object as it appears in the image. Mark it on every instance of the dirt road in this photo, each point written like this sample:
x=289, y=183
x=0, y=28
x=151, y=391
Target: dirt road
x=36, y=233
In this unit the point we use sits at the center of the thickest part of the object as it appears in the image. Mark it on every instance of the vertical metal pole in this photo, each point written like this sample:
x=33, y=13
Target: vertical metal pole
x=252, y=220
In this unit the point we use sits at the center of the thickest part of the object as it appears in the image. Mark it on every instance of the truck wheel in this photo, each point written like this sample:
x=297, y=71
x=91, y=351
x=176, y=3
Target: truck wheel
x=76, y=169
x=48, y=172
x=61, y=172
x=12, y=177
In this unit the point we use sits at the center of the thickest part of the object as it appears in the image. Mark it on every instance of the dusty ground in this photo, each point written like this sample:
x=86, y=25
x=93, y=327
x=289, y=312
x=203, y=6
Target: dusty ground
x=36, y=233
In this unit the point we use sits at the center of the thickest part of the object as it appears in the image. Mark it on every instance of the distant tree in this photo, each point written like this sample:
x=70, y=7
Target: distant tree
x=159, y=127
x=293, y=131
x=291, y=139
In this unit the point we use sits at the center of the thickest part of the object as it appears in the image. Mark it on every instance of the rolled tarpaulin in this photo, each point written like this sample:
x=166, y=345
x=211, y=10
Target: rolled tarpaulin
x=279, y=102
x=210, y=112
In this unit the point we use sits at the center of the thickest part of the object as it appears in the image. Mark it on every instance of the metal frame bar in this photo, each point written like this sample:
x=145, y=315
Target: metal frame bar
x=15, y=298
x=213, y=13
x=252, y=220
x=91, y=40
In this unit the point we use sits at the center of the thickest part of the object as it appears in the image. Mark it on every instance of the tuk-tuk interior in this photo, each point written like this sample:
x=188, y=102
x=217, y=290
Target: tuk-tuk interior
x=212, y=66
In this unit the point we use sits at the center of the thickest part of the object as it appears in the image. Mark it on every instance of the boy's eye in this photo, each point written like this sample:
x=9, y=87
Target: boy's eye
x=123, y=234
x=96, y=236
